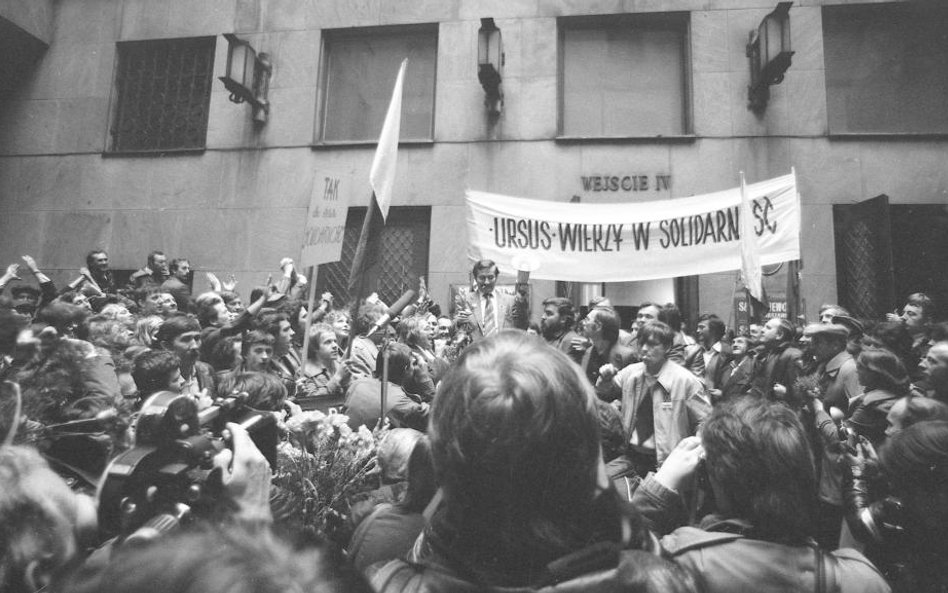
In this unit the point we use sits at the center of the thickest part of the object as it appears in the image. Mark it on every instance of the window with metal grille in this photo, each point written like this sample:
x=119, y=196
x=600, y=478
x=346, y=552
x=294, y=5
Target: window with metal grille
x=359, y=70
x=403, y=255
x=162, y=95
x=624, y=76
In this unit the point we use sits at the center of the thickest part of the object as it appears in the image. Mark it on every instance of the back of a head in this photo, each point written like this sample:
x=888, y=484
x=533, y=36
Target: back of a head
x=212, y=560
x=890, y=334
x=61, y=315
x=399, y=362
x=421, y=478
x=153, y=370
x=39, y=518
x=914, y=461
x=515, y=441
x=885, y=370
x=920, y=409
x=758, y=456
x=671, y=315
x=174, y=326
x=265, y=391
x=394, y=452
x=11, y=324
x=916, y=458
x=609, y=320
x=269, y=321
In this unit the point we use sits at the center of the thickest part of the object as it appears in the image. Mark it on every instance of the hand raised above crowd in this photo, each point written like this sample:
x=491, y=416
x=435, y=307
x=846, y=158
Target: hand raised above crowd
x=12, y=273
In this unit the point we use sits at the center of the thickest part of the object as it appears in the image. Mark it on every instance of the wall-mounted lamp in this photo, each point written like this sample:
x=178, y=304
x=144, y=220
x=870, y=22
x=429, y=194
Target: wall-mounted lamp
x=490, y=64
x=769, y=52
x=248, y=76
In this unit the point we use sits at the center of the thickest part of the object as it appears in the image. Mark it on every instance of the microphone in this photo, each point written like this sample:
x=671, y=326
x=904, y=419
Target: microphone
x=96, y=422
x=393, y=311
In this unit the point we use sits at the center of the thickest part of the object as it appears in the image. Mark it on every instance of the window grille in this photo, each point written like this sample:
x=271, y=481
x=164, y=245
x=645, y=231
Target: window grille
x=163, y=92
x=403, y=255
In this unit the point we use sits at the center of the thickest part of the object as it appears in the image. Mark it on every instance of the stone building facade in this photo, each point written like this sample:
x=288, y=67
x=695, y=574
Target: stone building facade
x=234, y=200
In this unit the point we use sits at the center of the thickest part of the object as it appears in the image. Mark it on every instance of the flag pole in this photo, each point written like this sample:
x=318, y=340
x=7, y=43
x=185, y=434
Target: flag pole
x=357, y=274
x=382, y=181
x=750, y=254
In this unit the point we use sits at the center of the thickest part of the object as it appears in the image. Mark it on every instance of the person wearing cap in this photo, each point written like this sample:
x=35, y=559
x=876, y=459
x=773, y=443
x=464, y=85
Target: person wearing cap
x=839, y=380
x=836, y=367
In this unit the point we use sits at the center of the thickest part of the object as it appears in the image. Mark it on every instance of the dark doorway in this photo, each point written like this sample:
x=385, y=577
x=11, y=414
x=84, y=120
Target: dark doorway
x=920, y=252
x=403, y=255
x=886, y=252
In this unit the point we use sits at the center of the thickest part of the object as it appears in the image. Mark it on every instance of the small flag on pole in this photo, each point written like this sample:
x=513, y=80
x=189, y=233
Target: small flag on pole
x=750, y=253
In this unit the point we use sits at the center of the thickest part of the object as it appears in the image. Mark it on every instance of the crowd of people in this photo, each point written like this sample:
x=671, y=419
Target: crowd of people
x=553, y=450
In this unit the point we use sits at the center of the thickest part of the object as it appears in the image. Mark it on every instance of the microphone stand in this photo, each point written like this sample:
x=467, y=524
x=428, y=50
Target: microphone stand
x=384, y=378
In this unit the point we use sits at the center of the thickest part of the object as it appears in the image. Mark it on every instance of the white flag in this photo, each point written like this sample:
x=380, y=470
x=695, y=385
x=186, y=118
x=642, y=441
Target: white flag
x=382, y=175
x=750, y=253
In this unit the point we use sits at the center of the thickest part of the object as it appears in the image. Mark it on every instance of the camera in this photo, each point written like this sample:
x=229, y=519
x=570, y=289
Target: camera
x=168, y=476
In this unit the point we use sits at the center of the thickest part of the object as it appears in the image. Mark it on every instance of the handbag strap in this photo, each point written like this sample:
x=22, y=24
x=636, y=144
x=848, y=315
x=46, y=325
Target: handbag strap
x=825, y=571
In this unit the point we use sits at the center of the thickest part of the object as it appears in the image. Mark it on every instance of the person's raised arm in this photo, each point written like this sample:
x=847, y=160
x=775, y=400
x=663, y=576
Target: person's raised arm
x=12, y=273
x=46, y=285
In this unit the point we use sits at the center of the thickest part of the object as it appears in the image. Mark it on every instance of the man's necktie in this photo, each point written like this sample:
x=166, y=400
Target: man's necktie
x=645, y=414
x=489, y=326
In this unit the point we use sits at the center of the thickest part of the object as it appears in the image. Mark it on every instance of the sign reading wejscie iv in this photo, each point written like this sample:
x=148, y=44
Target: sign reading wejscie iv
x=626, y=183
x=637, y=241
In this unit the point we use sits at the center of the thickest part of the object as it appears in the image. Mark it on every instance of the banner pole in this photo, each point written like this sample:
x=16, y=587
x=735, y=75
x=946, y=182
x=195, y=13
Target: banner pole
x=309, y=318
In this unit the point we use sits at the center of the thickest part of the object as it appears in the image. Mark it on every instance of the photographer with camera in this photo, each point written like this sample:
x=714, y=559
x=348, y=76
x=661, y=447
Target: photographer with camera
x=897, y=505
x=761, y=470
x=48, y=529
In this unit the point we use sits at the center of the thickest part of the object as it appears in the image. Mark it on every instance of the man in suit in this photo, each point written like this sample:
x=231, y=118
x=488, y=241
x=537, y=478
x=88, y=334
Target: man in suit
x=488, y=309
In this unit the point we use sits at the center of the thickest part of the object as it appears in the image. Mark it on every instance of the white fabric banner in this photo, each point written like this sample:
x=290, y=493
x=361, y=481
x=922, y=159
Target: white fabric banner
x=626, y=242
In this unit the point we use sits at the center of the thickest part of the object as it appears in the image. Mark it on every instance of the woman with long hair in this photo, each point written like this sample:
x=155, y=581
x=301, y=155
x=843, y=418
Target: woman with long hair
x=145, y=329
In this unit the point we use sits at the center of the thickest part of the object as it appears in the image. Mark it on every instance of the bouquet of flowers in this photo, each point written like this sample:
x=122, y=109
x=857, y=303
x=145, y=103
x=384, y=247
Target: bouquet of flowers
x=324, y=463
